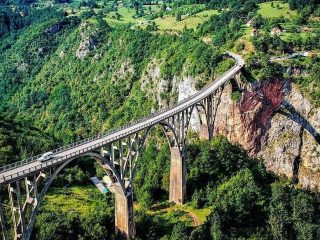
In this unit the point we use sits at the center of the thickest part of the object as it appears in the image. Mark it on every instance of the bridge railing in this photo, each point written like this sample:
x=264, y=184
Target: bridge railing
x=62, y=159
x=102, y=135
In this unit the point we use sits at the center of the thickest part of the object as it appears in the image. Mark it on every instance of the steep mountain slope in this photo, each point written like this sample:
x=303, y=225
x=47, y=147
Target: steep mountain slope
x=77, y=78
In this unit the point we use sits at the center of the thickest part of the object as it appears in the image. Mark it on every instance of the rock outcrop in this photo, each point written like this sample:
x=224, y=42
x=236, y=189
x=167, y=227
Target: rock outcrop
x=158, y=88
x=125, y=71
x=186, y=89
x=274, y=122
x=85, y=47
x=178, y=88
x=87, y=43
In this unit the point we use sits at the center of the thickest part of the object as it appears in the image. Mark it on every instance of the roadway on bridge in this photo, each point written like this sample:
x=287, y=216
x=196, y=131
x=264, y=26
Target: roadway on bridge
x=17, y=172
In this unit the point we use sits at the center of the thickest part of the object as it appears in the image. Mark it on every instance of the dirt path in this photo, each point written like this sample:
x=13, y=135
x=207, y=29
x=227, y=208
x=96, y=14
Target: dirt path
x=196, y=221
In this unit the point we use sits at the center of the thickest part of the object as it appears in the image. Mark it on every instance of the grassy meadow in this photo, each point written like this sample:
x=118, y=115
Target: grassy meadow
x=279, y=9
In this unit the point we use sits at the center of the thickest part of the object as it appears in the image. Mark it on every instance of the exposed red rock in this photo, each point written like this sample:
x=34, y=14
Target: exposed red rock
x=251, y=116
x=278, y=140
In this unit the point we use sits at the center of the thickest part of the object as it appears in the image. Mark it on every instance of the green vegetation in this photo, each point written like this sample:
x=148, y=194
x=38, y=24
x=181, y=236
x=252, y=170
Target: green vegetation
x=236, y=96
x=72, y=70
x=72, y=199
x=72, y=98
x=201, y=214
x=275, y=9
x=167, y=22
x=75, y=213
x=152, y=179
x=126, y=16
x=188, y=22
x=19, y=140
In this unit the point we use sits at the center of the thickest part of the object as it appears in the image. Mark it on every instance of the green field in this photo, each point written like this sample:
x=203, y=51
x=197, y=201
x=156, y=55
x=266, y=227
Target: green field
x=170, y=22
x=267, y=11
x=81, y=199
x=176, y=213
x=287, y=36
x=127, y=15
x=202, y=214
x=78, y=199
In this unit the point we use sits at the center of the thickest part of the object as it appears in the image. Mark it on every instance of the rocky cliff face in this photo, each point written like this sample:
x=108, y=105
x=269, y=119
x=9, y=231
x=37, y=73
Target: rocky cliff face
x=275, y=122
x=178, y=88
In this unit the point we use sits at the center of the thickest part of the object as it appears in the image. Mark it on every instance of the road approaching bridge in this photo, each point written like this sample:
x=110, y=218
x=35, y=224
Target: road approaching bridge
x=127, y=142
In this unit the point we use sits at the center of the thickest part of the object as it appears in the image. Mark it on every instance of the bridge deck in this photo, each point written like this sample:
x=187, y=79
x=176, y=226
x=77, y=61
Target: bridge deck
x=18, y=171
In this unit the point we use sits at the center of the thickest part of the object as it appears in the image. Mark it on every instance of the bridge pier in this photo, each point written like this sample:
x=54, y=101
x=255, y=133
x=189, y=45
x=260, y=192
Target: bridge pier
x=177, y=192
x=204, y=132
x=124, y=222
x=237, y=76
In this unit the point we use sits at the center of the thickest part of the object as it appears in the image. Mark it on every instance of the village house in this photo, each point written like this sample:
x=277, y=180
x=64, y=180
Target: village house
x=250, y=23
x=276, y=31
x=254, y=32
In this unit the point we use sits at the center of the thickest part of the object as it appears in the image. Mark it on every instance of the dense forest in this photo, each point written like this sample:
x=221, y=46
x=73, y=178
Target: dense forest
x=71, y=69
x=245, y=201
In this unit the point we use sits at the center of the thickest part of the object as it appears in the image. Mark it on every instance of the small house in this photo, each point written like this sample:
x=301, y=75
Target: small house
x=276, y=31
x=254, y=32
x=250, y=23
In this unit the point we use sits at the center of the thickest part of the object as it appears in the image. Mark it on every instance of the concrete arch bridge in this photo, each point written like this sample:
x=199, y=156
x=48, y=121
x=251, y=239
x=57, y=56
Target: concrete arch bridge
x=117, y=152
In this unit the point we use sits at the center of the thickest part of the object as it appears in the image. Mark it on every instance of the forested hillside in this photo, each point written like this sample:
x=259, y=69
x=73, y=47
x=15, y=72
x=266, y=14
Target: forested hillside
x=71, y=69
x=73, y=78
x=18, y=140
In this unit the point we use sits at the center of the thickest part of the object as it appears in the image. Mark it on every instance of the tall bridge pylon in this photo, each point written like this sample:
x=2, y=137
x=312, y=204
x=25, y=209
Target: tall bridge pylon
x=118, y=153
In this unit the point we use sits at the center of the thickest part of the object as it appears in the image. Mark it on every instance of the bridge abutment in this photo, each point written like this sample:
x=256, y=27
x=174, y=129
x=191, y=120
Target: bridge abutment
x=124, y=220
x=177, y=192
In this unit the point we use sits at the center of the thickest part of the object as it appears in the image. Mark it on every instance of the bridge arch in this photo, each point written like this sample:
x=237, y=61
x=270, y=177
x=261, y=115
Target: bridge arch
x=104, y=163
x=164, y=127
x=176, y=175
x=176, y=140
x=171, y=134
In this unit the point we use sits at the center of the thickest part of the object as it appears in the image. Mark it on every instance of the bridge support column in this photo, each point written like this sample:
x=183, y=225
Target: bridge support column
x=237, y=76
x=124, y=221
x=204, y=132
x=177, y=192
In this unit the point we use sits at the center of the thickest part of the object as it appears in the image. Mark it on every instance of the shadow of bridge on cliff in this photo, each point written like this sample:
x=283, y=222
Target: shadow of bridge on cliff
x=290, y=112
